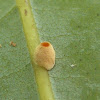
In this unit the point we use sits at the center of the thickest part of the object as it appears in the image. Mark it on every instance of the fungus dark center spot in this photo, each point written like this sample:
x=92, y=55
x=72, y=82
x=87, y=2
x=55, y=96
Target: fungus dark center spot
x=45, y=44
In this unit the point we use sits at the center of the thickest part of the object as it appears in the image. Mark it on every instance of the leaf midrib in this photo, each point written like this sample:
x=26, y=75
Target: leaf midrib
x=32, y=39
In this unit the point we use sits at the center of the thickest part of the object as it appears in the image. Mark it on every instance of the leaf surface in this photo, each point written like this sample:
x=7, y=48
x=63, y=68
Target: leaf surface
x=73, y=29
x=17, y=81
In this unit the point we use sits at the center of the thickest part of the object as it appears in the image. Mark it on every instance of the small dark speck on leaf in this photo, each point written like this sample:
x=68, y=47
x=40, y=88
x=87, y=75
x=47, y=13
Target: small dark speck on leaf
x=78, y=26
x=13, y=44
x=25, y=11
x=80, y=59
x=95, y=68
x=97, y=14
x=87, y=73
x=75, y=46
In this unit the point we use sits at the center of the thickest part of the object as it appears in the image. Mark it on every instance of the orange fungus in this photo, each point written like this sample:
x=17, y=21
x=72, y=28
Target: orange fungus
x=45, y=55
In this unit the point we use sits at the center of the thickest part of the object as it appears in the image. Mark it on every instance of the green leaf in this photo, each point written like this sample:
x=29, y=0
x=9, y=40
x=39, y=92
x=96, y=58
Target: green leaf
x=73, y=29
x=17, y=81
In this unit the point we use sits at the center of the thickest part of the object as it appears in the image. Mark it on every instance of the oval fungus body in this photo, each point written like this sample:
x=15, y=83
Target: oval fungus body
x=45, y=55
